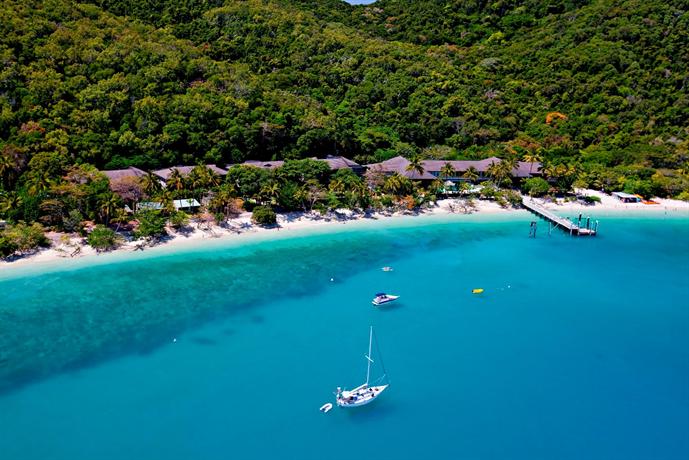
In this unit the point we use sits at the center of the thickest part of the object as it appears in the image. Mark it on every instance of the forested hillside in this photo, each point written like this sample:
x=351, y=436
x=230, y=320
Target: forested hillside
x=600, y=85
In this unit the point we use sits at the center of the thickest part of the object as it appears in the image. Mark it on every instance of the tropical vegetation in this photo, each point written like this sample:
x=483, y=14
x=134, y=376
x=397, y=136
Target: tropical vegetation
x=594, y=89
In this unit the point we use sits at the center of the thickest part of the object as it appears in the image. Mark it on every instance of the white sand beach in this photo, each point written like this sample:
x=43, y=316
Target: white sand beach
x=70, y=247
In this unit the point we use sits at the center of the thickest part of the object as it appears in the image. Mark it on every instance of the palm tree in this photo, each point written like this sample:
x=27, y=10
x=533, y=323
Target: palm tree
x=337, y=186
x=362, y=194
x=270, y=192
x=120, y=217
x=396, y=184
x=212, y=179
x=39, y=182
x=224, y=199
x=415, y=165
x=167, y=200
x=108, y=207
x=9, y=202
x=151, y=184
x=175, y=180
x=532, y=158
x=437, y=186
x=549, y=171
x=447, y=171
x=495, y=172
x=471, y=174
x=507, y=166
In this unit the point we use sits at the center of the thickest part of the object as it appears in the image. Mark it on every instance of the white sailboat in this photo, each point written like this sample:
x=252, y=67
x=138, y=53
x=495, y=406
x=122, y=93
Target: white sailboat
x=365, y=393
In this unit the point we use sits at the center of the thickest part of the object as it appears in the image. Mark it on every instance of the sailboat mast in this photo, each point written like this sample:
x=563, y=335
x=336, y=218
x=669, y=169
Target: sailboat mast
x=368, y=357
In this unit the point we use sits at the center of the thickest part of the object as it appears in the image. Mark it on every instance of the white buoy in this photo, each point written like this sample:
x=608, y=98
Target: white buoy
x=332, y=279
x=174, y=340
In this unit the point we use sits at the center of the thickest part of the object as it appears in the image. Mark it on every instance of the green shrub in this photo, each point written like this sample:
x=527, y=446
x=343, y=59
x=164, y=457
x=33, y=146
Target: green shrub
x=151, y=225
x=386, y=201
x=591, y=199
x=72, y=222
x=263, y=215
x=513, y=197
x=500, y=199
x=102, y=238
x=684, y=196
x=535, y=186
x=179, y=219
x=7, y=246
x=26, y=237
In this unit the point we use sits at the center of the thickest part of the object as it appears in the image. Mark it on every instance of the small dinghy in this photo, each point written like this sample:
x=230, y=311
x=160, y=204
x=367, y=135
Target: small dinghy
x=382, y=298
x=387, y=269
x=477, y=291
x=326, y=407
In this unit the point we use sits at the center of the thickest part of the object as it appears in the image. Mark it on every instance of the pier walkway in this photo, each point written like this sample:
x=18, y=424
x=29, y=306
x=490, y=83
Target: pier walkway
x=564, y=223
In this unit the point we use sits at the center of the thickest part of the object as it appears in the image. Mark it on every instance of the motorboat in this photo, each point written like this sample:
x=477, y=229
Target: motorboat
x=387, y=269
x=367, y=392
x=382, y=298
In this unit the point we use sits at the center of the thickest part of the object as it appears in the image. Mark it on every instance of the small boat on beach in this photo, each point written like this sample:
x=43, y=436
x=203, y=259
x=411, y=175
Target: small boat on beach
x=326, y=407
x=365, y=393
x=382, y=298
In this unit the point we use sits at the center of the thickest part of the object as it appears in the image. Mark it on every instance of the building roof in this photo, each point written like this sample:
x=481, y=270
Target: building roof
x=186, y=203
x=185, y=170
x=154, y=205
x=399, y=165
x=335, y=162
x=526, y=169
x=461, y=165
x=264, y=164
x=625, y=195
x=339, y=162
x=117, y=174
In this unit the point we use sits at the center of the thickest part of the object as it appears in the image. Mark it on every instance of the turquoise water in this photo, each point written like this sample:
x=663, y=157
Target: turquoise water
x=578, y=348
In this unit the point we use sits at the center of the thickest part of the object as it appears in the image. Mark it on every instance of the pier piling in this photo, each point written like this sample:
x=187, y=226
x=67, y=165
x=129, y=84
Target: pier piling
x=574, y=229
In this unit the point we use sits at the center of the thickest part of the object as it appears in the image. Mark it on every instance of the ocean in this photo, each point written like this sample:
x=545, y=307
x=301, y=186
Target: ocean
x=577, y=348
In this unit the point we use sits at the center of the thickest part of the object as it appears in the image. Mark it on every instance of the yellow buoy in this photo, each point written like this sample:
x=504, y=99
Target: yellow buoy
x=476, y=291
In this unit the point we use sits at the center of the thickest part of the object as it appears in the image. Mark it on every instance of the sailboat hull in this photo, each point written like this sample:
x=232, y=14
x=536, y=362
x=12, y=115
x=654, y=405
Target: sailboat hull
x=360, y=396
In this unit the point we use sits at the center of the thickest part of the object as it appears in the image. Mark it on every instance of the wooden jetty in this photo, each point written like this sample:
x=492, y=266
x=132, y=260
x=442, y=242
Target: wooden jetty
x=574, y=229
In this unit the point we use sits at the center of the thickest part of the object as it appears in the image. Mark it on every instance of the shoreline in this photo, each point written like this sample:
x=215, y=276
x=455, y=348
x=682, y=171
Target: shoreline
x=76, y=254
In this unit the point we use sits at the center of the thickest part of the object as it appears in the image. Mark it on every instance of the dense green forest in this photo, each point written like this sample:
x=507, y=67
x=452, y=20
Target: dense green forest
x=598, y=87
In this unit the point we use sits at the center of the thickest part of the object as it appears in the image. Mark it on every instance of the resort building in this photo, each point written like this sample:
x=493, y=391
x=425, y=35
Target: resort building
x=432, y=169
x=164, y=174
x=185, y=204
x=149, y=205
x=335, y=163
x=340, y=162
x=263, y=164
x=119, y=174
x=626, y=197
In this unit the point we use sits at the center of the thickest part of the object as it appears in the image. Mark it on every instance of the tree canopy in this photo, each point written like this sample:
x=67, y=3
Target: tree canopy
x=596, y=89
